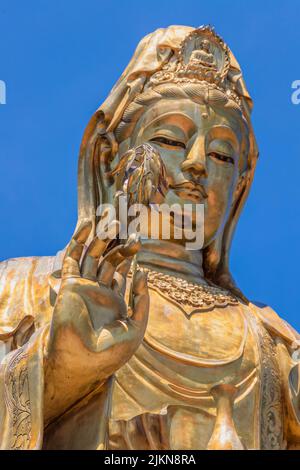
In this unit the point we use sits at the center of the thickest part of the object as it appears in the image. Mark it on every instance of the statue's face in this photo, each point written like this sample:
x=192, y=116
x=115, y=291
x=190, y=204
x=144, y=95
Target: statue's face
x=201, y=152
x=205, y=46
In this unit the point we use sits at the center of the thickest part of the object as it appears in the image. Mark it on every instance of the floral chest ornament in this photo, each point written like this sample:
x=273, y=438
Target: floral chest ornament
x=188, y=296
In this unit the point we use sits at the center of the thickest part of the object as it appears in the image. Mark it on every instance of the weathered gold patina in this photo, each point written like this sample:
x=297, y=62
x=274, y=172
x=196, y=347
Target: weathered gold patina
x=83, y=364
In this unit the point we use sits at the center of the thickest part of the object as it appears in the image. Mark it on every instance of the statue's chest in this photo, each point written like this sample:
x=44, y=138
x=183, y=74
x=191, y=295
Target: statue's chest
x=204, y=338
x=185, y=355
x=197, y=325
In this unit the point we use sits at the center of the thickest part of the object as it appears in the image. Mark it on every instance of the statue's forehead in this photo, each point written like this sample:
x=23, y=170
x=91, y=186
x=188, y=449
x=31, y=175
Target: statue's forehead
x=186, y=113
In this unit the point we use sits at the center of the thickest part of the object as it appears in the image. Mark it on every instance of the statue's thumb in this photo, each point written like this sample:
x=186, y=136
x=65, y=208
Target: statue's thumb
x=140, y=298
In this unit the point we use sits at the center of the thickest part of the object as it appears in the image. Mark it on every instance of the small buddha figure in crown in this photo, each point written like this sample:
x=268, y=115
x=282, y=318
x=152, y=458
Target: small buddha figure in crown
x=203, y=56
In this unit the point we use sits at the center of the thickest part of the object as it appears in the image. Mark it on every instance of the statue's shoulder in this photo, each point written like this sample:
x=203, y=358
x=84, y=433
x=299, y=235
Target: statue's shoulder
x=34, y=266
x=22, y=268
x=275, y=324
x=24, y=290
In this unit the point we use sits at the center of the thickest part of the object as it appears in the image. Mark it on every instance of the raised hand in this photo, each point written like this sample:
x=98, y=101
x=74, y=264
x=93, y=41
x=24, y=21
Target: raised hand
x=93, y=331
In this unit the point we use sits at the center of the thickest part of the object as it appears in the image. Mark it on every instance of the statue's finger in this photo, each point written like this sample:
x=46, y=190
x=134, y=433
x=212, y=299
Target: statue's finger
x=109, y=264
x=89, y=266
x=70, y=266
x=78, y=240
x=120, y=276
x=115, y=257
x=140, y=298
x=96, y=249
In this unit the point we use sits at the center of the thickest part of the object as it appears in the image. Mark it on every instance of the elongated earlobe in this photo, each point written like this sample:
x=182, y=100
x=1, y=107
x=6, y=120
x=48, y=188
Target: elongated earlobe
x=241, y=185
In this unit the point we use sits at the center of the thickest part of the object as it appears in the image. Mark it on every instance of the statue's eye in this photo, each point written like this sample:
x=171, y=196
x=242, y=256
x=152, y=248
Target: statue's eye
x=222, y=158
x=169, y=142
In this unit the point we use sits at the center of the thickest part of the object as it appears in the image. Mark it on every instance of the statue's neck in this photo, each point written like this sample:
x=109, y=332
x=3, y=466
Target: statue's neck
x=171, y=258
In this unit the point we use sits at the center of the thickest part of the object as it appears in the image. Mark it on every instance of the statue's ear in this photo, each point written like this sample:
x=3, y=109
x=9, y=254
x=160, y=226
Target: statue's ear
x=97, y=151
x=106, y=148
x=240, y=187
x=109, y=148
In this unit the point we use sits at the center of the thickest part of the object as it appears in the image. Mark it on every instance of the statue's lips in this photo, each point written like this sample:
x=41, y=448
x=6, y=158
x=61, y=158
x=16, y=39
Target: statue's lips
x=190, y=190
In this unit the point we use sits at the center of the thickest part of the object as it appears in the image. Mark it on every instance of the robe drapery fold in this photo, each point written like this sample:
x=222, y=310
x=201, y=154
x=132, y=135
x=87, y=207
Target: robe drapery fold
x=22, y=395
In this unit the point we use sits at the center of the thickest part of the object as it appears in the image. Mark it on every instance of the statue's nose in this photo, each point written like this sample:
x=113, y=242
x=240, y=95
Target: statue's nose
x=195, y=162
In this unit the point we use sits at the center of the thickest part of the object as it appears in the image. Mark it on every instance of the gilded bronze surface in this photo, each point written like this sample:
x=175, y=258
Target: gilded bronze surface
x=94, y=356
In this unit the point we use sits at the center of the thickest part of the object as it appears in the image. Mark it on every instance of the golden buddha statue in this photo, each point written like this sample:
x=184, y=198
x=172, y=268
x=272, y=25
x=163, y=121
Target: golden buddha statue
x=168, y=353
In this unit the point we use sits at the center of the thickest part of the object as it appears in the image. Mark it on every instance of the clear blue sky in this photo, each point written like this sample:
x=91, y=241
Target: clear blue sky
x=59, y=60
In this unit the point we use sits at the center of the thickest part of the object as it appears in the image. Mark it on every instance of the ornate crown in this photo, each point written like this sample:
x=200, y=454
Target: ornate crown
x=203, y=58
